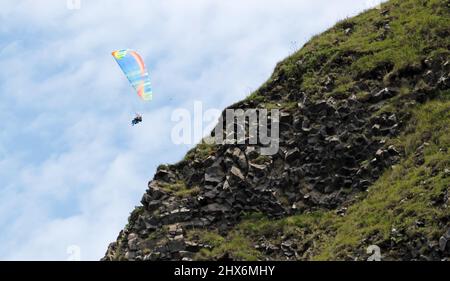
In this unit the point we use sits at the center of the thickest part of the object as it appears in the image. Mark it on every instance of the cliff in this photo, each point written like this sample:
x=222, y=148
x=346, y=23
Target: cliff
x=363, y=157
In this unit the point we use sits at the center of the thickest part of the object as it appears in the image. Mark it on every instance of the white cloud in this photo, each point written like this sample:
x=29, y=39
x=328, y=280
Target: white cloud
x=71, y=167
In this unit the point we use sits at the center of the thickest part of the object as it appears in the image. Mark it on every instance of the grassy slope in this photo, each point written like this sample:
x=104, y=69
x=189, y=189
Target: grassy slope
x=415, y=28
x=405, y=197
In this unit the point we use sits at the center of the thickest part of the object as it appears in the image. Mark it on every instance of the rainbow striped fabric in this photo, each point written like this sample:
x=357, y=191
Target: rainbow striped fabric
x=134, y=69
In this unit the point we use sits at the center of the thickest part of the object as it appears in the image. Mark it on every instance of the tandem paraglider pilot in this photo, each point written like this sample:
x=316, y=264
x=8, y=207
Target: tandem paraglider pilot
x=136, y=120
x=134, y=69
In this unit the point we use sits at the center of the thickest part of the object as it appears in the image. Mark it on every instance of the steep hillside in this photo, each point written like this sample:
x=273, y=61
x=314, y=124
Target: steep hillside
x=363, y=159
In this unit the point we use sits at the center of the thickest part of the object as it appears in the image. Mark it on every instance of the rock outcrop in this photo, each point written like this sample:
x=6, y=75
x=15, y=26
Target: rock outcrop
x=335, y=143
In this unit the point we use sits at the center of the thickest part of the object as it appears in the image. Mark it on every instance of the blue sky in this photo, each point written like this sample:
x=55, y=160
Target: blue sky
x=71, y=166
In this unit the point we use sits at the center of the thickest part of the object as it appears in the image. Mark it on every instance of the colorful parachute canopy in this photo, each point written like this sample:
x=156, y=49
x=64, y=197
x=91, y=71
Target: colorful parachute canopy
x=133, y=66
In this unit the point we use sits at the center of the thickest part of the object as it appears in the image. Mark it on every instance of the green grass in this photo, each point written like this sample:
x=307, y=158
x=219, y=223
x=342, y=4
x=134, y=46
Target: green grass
x=261, y=159
x=180, y=189
x=208, y=237
x=202, y=151
x=235, y=246
x=416, y=30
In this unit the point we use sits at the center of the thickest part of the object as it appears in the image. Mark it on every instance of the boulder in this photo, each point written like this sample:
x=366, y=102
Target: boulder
x=251, y=152
x=214, y=175
x=164, y=175
x=216, y=208
x=176, y=245
x=443, y=241
x=381, y=95
x=133, y=242
x=286, y=118
x=292, y=155
x=236, y=175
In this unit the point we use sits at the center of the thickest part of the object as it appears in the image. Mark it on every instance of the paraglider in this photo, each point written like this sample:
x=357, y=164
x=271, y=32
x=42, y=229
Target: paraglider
x=134, y=69
x=136, y=120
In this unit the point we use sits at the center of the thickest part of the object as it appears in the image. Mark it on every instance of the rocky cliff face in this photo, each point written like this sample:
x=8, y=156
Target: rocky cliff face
x=363, y=156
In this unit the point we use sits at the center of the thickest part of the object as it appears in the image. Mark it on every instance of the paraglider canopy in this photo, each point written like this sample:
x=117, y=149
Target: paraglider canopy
x=134, y=69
